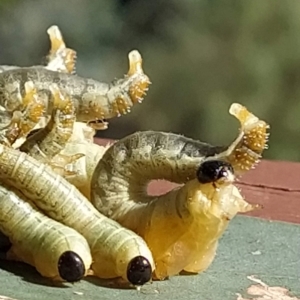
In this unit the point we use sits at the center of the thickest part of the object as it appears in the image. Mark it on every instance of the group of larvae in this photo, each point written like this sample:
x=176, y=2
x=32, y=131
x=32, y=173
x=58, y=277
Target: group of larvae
x=72, y=208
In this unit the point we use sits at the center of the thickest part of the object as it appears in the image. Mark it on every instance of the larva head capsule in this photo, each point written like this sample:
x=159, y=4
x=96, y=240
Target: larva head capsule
x=139, y=270
x=214, y=170
x=71, y=267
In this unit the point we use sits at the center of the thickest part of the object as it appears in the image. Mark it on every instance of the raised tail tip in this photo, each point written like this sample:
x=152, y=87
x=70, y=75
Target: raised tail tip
x=56, y=38
x=139, y=81
x=255, y=130
x=60, y=57
x=135, y=63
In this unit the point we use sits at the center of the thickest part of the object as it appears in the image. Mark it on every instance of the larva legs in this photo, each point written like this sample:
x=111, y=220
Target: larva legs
x=115, y=250
x=181, y=226
x=60, y=59
x=245, y=152
x=56, y=251
x=49, y=141
x=23, y=122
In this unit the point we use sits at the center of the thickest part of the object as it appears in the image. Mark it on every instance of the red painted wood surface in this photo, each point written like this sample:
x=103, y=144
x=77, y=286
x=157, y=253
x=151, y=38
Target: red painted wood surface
x=274, y=184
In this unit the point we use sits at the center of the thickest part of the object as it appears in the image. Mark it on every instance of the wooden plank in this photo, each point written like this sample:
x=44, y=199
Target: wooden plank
x=250, y=246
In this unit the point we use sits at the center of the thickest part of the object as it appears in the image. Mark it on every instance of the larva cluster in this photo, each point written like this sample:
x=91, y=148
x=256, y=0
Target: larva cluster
x=58, y=188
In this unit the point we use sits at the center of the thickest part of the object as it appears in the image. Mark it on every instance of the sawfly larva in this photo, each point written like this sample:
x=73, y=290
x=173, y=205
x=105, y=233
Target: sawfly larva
x=116, y=251
x=187, y=220
x=55, y=250
x=182, y=227
x=94, y=101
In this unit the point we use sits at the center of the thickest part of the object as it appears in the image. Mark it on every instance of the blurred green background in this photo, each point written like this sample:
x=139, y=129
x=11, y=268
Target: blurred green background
x=201, y=56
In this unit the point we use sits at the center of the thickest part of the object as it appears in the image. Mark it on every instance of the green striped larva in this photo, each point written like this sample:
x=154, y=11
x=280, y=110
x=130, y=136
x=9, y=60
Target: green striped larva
x=116, y=251
x=55, y=250
x=186, y=222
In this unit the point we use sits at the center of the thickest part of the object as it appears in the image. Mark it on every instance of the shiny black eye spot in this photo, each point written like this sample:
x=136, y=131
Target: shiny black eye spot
x=212, y=170
x=70, y=266
x=139, y=271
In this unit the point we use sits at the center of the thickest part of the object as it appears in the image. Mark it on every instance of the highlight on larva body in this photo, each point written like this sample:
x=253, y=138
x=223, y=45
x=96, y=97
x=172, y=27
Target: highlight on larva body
x=116, y=251
x=55, y=250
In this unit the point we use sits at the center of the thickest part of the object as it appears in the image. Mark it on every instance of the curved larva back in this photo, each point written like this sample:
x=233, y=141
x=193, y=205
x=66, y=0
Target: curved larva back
x=179, y=224
x=39, y=240
x=64, y=203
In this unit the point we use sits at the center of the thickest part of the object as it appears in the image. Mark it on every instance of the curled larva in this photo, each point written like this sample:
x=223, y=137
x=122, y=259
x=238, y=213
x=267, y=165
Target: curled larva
x=182, y=227
x=55, y=250
x=186, y=220
x=116, y=251
x=243, y=153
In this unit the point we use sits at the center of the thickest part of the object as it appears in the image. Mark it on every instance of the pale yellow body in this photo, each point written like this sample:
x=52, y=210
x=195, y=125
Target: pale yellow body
x=37, y=239
x=183, y=226
x=81, y=169
x=112, y=246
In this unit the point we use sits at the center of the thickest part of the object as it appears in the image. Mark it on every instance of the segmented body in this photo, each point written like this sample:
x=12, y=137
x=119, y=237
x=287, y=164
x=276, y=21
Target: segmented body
x=56, y=251
x=19, y=124
x=115, y=250
x=186, y=221
x=93, y=100
x=174, y=157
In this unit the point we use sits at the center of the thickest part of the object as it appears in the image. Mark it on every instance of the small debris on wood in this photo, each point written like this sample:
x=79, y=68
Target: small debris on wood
x=264, y=292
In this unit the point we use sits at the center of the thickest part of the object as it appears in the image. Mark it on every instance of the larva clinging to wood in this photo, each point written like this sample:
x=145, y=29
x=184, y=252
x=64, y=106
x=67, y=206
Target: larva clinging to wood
x=181, y=227
x=116, y=251
x=55, y=250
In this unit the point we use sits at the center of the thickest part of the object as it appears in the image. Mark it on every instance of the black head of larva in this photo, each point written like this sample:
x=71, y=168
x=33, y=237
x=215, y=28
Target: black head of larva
x=70, y=266
x=139, y=270
x=213, y=170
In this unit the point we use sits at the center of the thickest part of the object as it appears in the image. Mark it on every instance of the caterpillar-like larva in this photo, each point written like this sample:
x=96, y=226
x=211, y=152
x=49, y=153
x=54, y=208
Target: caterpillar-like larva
x=186, y=220
x=55, y=250
x=116, y=251
x=243, y=153
x=182, y=227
